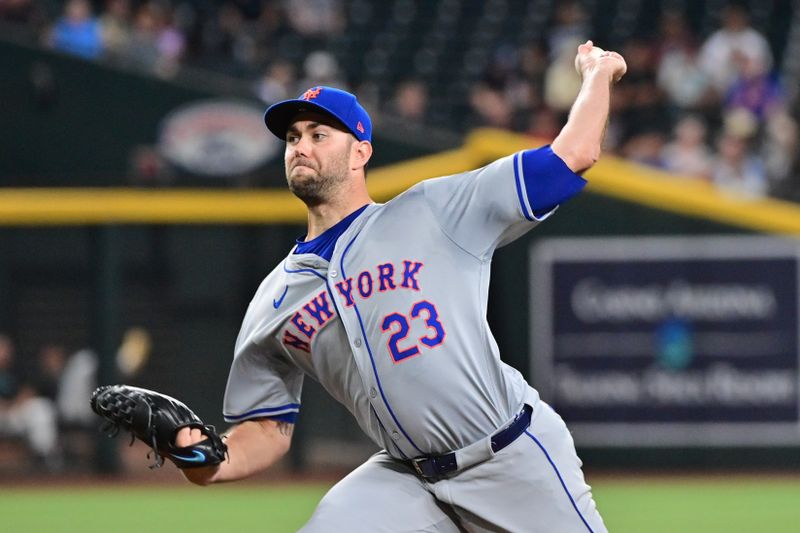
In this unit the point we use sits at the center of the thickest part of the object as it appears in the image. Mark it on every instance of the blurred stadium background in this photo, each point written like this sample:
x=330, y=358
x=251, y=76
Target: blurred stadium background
x=142, y=202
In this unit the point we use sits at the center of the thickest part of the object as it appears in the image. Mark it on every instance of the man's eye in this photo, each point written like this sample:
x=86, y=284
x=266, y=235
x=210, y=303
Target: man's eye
x=319, y=135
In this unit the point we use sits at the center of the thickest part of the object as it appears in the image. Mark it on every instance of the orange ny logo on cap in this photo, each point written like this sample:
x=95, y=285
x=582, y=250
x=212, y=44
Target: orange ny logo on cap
x=360, y=127
x=311, y=94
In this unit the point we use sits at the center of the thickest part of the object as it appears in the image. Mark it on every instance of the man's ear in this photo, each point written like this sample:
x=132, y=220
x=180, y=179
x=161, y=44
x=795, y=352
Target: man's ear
x=362, y=154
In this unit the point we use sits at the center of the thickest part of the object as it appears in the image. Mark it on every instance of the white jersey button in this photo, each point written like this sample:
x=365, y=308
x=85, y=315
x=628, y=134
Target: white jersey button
x=357, y=342
x=333, y=273
x=395, y=435
x=372, y=392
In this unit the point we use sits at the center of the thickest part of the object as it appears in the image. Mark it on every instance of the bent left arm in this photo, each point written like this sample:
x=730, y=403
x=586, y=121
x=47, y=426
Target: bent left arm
x=253, y=446
x=579, y=142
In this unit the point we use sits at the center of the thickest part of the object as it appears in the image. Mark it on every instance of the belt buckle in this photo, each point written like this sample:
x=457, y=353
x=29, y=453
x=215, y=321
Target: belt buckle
x=416, y=462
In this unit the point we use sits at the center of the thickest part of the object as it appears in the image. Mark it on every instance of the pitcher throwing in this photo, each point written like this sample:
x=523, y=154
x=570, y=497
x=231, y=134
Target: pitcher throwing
x=385, y=305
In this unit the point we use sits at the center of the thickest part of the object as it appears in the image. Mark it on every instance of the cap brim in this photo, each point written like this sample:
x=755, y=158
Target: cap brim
x=278, y=117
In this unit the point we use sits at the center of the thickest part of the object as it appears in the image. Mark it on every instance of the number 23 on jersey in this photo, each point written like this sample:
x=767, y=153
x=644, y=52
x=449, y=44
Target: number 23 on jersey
x=400, y=347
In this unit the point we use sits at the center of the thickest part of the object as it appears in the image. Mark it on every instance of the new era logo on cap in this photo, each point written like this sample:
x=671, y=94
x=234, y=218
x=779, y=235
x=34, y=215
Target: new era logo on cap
x=337, y=103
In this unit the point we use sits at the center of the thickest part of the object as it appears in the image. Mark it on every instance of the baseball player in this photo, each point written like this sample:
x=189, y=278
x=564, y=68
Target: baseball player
x=385, y=305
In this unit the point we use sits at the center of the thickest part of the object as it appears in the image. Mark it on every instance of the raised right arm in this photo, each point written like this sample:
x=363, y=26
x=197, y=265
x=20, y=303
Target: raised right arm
x=579, y=142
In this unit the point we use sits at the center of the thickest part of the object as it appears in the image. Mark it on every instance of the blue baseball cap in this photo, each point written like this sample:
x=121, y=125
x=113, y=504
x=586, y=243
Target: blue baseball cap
x=337, y=103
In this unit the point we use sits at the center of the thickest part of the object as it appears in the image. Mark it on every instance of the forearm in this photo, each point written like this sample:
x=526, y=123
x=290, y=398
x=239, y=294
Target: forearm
x=579, y=142
x=253, y=446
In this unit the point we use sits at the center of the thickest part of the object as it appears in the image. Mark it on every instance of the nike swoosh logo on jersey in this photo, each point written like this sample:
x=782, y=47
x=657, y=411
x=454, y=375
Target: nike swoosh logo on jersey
x=197, y=457
x=277, y=303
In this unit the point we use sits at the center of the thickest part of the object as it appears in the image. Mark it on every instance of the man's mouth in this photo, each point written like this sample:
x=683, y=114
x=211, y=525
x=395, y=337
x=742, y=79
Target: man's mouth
x=306, y=164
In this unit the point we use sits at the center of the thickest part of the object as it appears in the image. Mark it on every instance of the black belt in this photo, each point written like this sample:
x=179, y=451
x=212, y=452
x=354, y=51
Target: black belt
x=434, y=467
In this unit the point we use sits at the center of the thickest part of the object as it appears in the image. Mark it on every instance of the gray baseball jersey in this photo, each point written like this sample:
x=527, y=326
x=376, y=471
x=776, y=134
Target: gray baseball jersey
x=394, y=324
x=389, y=314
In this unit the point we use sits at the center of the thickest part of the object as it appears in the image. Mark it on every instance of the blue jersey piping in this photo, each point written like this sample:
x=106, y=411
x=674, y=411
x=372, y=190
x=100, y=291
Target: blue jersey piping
x=384, y=430
x=564, y=485
x=518, y=183
x=374, y=369
x=320, y=276
x=290, y=407
x=369, y=350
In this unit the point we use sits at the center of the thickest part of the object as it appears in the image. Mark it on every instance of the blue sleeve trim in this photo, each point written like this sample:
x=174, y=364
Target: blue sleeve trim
x=289, y=418
x=522, y=197
x=268, y=412
x=548, y=181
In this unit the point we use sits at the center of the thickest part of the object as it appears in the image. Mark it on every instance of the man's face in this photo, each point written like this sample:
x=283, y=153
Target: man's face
x=317, y=157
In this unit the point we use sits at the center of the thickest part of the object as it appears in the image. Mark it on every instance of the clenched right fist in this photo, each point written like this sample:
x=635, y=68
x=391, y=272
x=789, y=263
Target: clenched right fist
x=591, y=58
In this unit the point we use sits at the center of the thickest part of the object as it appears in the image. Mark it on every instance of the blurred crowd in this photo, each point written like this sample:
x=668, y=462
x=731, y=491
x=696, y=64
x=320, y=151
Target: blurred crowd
x=43, y=397
x=705, y=106
x=710, y=109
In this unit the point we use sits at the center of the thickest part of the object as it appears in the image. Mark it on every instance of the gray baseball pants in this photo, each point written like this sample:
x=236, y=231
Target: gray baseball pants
x=535, y=484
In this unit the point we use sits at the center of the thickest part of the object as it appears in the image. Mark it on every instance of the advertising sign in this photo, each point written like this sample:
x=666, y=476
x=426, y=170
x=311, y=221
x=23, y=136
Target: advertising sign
x=217, y=138
x=668, y=341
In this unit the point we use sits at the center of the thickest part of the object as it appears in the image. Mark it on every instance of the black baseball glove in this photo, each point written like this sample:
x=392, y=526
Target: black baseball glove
x=155, y=419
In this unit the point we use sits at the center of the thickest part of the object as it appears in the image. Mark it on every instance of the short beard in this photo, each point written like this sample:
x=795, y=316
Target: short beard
x=319, y=189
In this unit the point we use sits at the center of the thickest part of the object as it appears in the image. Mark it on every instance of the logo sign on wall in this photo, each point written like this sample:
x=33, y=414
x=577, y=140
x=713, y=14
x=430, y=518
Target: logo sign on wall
x=669, y=341
x=217, y=138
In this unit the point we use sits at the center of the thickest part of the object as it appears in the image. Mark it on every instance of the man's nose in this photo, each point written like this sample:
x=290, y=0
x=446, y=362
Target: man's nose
x=302, y=146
